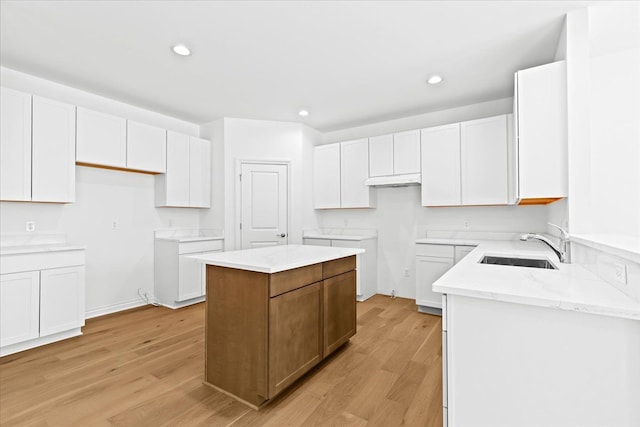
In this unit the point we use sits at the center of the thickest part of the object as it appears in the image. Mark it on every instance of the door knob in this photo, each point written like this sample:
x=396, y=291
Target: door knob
x=281, y=235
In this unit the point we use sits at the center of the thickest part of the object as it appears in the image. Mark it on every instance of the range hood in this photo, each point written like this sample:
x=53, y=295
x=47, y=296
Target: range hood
x=394, y=180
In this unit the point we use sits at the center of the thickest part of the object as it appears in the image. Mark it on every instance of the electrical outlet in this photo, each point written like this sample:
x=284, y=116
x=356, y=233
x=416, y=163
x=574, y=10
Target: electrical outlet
x=30, y=226
x=114, y=225
x=620, y=272
x=406, y=272
x=346, y=222
x=467, y=225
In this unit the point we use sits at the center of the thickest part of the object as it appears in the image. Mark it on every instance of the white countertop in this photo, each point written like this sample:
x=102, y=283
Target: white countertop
x=28, y=249
x=353, y=238
x=273, y=259
x=571, y=287
x=446, y=241
x=185, y=239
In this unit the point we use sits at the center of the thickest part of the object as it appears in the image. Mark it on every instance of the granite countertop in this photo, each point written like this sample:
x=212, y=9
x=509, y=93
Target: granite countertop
x=570, y=287
x=273, y=259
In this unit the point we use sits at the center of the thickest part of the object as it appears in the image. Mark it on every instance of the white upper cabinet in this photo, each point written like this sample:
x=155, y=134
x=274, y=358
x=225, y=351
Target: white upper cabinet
x=146, y=147
x=381, y=155
x=354, y=170
x=441, y=166
x=326, y=176
x=394, y=154
x=15, y=145
x=466, y=163
x=541, y=131
x=53, y=151
x=102, y=139
x=483, y=153
x=38, y=149
x=187, y=181
x=406, y=152
x=199, y=173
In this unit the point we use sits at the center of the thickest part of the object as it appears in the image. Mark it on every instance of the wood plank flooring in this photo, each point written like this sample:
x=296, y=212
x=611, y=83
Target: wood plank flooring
x=145, y=367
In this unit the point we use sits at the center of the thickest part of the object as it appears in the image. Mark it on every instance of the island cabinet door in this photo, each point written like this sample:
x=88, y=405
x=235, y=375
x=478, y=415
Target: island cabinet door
x=339, y=294
x=295, y=335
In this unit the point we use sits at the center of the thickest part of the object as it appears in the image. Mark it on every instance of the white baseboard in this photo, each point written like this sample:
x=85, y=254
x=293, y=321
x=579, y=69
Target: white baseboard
x=114, y=308
x=37, y=342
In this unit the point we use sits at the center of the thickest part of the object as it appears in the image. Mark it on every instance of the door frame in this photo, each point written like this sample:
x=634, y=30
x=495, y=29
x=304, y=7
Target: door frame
x=238, y=185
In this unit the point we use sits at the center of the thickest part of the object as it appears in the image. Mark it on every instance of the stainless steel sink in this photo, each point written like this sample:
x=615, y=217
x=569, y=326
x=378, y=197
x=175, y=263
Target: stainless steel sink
x=518, y=262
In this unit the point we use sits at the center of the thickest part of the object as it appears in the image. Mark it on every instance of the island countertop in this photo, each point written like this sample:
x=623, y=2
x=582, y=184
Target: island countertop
x=273, y=259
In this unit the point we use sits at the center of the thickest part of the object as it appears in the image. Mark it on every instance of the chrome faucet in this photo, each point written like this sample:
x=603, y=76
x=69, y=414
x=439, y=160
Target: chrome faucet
x=562, y=251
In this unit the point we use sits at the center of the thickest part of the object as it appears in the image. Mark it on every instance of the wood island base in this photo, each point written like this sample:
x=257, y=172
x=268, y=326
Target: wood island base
x=264, y=331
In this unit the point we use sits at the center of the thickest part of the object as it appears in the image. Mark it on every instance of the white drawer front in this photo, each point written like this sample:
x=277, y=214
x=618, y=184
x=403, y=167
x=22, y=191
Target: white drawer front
x=41, y=261
x=199, y=246
x=444, y=251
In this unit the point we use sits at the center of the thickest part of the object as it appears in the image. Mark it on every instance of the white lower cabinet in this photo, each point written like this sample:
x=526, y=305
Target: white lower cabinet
x=19, y=307
x=366, y=263
x=61, y=299
x=40, y=304
x=432, y=261
x=511, y=364
x=179, y=279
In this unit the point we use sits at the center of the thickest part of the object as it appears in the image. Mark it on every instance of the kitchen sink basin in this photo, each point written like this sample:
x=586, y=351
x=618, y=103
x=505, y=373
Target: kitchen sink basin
x=518, y=262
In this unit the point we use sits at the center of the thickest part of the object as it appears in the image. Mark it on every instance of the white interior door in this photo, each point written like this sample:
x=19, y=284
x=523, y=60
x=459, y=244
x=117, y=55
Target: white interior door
x=264, y=204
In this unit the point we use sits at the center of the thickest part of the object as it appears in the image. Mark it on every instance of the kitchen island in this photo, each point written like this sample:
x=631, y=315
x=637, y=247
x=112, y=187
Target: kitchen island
x=274, y=313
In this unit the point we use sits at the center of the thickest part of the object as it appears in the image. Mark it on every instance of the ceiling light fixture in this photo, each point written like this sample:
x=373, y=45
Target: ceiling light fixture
x=181, y=50
x=434, y=80
x=303, y=113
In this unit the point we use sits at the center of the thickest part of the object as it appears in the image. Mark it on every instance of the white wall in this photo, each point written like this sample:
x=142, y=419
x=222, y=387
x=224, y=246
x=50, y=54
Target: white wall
x=399, y=216
x=245, y=139
x=118, y=261
x=603, y=64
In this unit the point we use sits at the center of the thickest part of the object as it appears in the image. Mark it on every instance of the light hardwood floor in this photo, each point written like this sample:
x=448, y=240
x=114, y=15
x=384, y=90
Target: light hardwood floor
x=145, y=367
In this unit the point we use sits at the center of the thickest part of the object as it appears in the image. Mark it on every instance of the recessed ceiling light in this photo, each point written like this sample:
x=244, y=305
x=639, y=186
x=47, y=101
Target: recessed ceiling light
x=303, y=113
x=181, y=50
x=434, y=80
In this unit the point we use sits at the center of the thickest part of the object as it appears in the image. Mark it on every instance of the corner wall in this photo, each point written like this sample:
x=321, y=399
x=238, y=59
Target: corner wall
x=118, y=261
x=399, y=217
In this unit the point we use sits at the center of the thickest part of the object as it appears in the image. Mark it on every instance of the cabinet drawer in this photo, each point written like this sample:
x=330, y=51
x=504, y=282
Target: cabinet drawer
x=338, y=266
x=444, y=251
x=289, y=280
x=199, y=246
x=41, y=261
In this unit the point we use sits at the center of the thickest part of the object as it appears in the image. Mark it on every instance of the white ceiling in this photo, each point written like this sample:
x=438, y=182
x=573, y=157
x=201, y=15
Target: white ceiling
x=348, y=62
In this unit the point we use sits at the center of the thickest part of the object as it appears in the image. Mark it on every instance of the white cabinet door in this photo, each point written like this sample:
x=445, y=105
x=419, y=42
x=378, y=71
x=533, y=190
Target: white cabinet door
x=146, y=147
x=326, y=176
x=541, y=131
x=190, y=283
x=199, y=173
x=406, y=152
x=15, y=145
x=483, y=153
x=19, y=307
x=101, y=139
x=172, y=188
x=61, y=299
x=381, y=155
x=428, y=270
x=441, y=166
x=354, y=170
x=53, y=151
x=316, y=242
